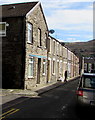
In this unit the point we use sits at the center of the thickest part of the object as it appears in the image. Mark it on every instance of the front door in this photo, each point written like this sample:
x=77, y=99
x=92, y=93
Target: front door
x=49, y=72
x=38, y=71
x=58, y=70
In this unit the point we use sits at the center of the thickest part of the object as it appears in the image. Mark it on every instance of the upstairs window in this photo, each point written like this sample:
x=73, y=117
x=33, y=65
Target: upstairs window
x=30, y=33
x=49, y=45
x=2, y=29
x=46, y=40
x=53, y=47
x=57, y=48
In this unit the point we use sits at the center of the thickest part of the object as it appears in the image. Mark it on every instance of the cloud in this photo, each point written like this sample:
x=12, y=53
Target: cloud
x=71, y=19
x=80, y=0
x=63, y=4
x=70, y=40
x=67, y=15
x=74, y=35
x=73, y=40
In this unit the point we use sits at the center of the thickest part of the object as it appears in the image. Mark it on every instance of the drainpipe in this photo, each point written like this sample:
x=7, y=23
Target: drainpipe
x=23, y=51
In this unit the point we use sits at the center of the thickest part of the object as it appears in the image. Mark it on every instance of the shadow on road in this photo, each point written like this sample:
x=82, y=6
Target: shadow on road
x=85, y=112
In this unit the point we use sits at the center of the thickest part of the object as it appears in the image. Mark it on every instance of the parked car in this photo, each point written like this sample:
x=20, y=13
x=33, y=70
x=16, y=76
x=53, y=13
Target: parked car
x=86, y=89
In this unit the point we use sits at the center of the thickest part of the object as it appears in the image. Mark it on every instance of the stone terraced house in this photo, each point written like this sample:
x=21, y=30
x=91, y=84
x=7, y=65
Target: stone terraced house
x=24, y=50
x=60, y=59
x=56, y=58
x=30, y=56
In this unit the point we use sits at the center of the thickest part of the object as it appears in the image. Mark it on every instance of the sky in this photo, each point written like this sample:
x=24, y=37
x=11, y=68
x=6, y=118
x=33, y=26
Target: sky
x=72, y=20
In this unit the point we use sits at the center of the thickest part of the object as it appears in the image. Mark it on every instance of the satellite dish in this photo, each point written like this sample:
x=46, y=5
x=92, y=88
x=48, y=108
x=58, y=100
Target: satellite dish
x=51, y=31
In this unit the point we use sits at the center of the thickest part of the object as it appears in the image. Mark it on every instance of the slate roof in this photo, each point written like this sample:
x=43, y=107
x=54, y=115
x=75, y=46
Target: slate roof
x=18, y=9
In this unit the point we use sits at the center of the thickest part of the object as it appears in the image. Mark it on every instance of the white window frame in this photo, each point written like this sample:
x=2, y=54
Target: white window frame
x=30, y=33
x=31, y=62
x=3, y=32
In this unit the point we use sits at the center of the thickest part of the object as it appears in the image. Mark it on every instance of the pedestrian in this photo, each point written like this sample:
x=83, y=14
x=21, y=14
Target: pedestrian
x=65, y=80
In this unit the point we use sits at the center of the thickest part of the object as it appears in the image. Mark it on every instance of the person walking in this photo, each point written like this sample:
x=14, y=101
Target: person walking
x=65, y=80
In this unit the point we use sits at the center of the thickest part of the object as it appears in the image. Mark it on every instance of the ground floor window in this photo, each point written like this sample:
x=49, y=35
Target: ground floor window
x=2, y=29
x=31, y=67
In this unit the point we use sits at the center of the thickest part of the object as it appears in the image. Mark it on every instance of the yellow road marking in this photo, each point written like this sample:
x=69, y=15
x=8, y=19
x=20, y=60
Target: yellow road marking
x=7, y=112
x=15, y=103
x=12, y=111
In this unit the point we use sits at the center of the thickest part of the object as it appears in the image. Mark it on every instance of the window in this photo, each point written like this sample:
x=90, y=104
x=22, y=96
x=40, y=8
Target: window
x=44, y=66
x=49, y=42
x=57, y=48
x=89, y=82
x=46, y=40
x=2, y=28
x=53, y=47
x=30, y=34
x=31, y=67
x=60, y=50
x=39, y=37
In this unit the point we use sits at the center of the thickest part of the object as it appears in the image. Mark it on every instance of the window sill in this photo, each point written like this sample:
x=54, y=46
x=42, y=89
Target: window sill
x=39, y=46
x=49, y=52
x=53, y=53
x=53, y=73
x=44, y=74
x=29, y=43
x=45, y=48
x=29, y=77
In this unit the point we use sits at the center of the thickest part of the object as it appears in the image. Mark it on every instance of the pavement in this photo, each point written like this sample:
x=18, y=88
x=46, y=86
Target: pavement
x=7, y=95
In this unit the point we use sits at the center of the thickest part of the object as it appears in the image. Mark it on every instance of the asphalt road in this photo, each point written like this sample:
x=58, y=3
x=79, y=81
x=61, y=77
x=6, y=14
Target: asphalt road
x=57, y=103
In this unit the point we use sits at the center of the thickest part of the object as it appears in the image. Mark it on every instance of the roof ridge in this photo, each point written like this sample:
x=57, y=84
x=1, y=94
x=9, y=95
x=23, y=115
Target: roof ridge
x=17, y=9
x=7, y=4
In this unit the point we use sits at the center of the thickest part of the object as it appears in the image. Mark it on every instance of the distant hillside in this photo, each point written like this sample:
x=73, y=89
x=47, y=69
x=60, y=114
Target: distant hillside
x=82, y=48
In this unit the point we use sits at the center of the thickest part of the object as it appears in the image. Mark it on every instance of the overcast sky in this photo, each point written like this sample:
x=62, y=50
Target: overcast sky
x=72, y=20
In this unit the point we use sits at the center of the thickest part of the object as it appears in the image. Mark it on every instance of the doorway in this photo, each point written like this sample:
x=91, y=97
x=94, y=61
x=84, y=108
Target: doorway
x=58, y=70
x=49, y=71
x=38, y=70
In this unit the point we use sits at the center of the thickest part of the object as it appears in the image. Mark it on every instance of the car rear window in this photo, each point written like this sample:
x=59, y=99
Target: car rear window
x=89, y=82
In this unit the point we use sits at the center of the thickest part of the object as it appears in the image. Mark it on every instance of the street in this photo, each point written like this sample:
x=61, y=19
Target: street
x=57, y=103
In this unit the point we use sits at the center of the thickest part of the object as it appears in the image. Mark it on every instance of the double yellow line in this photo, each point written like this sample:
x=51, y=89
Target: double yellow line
x=11, y=111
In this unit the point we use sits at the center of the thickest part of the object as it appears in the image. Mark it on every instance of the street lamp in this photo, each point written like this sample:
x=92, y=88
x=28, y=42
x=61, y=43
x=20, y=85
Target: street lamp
x=51, y=31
